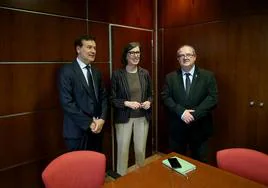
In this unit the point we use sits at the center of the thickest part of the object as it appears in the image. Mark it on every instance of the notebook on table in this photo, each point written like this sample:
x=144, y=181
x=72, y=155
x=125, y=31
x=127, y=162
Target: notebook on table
x=185, y=166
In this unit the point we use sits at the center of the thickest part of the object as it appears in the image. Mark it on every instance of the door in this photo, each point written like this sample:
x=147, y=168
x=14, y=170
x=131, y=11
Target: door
x=262, y=101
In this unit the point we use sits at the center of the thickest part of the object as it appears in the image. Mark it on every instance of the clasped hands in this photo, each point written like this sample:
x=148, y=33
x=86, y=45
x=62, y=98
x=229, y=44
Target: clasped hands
x=96, y=125
x=187, y=117
x=136, y=105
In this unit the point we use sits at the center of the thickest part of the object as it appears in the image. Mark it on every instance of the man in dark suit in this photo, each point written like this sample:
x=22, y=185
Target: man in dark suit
x=190, y=93
x=83, y=99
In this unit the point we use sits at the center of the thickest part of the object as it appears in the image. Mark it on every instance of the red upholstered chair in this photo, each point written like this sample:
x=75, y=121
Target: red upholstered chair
x=247, y=163
x=77, y=169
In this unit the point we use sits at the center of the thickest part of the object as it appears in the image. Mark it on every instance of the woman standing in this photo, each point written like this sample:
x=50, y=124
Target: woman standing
x=131, y=98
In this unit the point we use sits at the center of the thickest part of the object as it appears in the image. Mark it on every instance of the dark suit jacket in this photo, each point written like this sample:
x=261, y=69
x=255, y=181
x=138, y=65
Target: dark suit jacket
x=78, y=101
x=120, y=93
x=202, y=98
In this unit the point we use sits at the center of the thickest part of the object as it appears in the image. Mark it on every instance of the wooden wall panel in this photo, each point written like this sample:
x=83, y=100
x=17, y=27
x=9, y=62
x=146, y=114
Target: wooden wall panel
x=25, y=176
x=107, y=129
x=162, y=132
x=28, y=87
x=100, y=10
x=5, y=31
x=44, y=39
x=30, y=138
x=128, y=12
x=74, y=8
x=101, y=32
x=70, y=30
x=243, y=7
x=180, y=12
x=138, y=13
x=107, y=143
x=105, y=70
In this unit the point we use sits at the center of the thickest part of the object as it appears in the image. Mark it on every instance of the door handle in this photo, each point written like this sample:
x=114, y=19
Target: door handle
x=251, y=103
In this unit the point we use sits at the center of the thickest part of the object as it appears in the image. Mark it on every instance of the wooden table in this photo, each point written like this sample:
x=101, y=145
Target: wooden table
x=156, y=175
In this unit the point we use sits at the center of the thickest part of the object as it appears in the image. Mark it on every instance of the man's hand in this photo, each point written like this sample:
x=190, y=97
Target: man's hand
x=92, y=126
x=132, y=104
x=98, y=125
x=187, y=116
x=146, y=105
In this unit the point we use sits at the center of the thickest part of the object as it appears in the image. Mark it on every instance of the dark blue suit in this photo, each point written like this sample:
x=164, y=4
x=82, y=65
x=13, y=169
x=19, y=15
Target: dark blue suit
x=80, y=106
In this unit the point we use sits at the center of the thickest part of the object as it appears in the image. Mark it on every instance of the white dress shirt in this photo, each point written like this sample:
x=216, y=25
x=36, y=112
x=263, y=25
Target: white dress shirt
x=190, y=76
x=83, y=67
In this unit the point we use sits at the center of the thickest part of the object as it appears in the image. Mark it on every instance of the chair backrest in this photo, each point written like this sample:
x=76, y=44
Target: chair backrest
x=79, y=169
x=247, y=163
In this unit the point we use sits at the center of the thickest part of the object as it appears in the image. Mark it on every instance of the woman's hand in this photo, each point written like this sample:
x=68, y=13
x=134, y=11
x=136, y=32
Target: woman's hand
x=132, y=104
x=146, y=105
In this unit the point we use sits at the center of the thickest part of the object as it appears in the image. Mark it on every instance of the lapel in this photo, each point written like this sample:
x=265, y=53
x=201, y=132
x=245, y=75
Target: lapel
x=95, y=78
x=194, y=84
x=181, y=84
x=142, y=83
x=125, y=82
x=79, y=74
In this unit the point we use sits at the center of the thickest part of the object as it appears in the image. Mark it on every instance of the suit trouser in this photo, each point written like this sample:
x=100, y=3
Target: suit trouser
x=198, y=149
x=123, y=135
x=89, y=141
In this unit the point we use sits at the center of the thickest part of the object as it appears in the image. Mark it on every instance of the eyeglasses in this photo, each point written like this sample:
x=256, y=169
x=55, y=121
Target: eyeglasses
x=185, y=55
x=132, y=53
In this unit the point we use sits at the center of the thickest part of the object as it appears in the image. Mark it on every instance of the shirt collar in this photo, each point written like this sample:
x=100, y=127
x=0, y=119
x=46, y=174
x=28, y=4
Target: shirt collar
x=81, y=64
x=191, y=71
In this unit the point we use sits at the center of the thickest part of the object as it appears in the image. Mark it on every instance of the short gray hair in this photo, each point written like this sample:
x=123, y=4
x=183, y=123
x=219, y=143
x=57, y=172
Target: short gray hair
x=186, y=45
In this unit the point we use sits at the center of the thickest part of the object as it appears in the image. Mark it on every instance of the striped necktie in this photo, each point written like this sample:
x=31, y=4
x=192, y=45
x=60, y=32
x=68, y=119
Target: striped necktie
x=187, y=83
x=90, y=80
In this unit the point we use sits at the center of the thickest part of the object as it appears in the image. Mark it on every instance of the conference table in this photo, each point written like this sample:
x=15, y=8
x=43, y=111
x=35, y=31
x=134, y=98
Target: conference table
x=156, y=175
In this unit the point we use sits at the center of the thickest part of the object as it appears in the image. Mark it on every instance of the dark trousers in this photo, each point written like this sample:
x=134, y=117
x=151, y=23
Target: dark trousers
x=198, y=149
x=89, y=141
